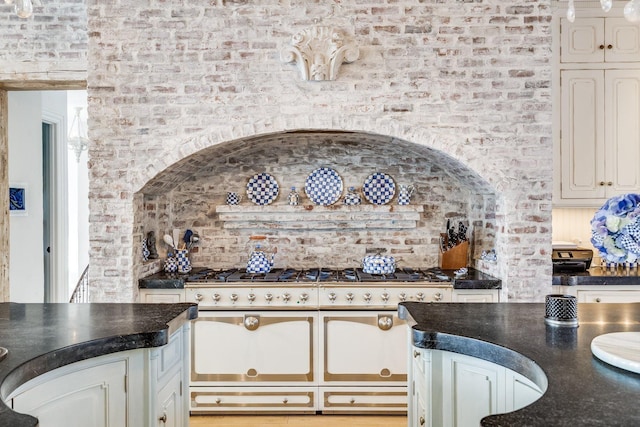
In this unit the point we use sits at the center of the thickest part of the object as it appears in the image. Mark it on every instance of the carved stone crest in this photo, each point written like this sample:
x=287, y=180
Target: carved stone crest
x=319, y=52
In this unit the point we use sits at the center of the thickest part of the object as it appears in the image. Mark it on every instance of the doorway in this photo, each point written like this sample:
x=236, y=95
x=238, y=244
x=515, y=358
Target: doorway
x=46, y=268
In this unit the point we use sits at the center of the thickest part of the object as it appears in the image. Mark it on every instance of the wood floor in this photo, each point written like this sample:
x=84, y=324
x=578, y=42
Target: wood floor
x=298, y=420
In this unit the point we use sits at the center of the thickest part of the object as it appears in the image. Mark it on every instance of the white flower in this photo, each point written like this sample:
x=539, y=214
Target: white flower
x=615, y=223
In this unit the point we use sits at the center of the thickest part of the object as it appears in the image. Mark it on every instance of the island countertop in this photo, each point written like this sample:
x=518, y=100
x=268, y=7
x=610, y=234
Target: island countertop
x=582, y=390
x=43, y=337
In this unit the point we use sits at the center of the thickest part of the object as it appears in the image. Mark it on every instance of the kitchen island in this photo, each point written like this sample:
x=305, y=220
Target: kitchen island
x=42, y=338
x=580, y=390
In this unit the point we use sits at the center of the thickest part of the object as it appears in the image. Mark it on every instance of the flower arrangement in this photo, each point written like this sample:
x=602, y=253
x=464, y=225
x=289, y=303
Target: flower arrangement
x=615, y=229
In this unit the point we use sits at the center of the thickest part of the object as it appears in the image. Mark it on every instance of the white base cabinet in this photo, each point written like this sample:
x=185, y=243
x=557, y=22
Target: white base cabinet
x=132, y=388
x=476, y=295
x=605, y=293
x=455, y=390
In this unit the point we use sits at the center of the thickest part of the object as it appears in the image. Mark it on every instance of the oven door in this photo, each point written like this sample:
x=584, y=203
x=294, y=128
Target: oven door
x=253, y=347
x=363, y=347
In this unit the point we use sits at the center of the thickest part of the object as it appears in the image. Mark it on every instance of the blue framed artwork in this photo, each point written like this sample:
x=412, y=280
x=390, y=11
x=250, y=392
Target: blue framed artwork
x=18, y=199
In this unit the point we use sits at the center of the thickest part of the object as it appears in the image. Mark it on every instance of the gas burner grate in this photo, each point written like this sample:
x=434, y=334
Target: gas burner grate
x=275, y=275
x=209, y=275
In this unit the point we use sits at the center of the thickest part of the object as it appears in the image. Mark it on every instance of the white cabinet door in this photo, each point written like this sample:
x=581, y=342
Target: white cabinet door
x=582, y=40
x=600, y=138
x=520, y=391
x=420, y=393
x=582, y=144
x=472, y=389
x=593, y=40
x=476, y=295
x=171, y=410
x=161, y=295
x=622, y=131
x=608, y=296
x=91, y=397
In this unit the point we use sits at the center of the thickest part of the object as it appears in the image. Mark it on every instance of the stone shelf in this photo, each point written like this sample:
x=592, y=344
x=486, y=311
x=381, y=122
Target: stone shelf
x=306, y=217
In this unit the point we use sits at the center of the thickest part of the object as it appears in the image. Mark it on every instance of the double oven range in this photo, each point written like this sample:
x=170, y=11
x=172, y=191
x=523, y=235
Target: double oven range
x=303, y=341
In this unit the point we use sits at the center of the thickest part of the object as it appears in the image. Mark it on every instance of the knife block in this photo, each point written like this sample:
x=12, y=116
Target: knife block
x=455, y=258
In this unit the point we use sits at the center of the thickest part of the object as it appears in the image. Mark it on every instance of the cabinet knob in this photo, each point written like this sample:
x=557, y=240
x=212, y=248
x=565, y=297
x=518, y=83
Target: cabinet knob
x=163, y=418
x=601, y=47
x=601, y=183
x=598, y=300
x=609, y=183
x=422, y=420
x=416, y=353
x=609, y=46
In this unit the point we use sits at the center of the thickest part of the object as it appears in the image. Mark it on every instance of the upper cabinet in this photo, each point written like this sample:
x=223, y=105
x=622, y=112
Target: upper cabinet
x=597, y=109
x=600, y=133
x=599, y=40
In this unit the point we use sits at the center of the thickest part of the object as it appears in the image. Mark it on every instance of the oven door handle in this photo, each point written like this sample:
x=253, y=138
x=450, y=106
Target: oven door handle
x=385, y=322
x=251, y=322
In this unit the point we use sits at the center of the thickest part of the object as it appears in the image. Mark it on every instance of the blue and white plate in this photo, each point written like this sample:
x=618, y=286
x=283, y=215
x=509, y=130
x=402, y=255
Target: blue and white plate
x=379, y=188
x=323, y=186
x=262, y=189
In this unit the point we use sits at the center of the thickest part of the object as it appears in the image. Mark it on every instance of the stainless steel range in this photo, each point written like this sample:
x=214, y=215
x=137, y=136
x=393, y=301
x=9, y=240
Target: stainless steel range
x=303, y=341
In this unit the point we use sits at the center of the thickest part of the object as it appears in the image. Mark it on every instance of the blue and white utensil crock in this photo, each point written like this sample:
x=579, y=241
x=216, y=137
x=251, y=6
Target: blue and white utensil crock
x=405, y=193
x=233, y=198
x=182, y=259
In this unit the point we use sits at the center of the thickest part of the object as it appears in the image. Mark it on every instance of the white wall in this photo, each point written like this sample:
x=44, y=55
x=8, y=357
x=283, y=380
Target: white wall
x=78, y=200
x=26, y=271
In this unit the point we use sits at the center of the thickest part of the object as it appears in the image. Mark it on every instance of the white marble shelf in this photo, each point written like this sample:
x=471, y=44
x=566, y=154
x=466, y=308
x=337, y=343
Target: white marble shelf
x=305, y=217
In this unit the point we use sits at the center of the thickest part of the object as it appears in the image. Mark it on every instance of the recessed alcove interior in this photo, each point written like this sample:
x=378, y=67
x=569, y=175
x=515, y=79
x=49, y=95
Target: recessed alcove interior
x=191, y=193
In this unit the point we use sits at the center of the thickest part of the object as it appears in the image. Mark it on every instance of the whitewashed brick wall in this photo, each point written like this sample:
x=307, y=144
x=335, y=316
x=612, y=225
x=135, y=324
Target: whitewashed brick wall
x=471, y=79
x=50, y=45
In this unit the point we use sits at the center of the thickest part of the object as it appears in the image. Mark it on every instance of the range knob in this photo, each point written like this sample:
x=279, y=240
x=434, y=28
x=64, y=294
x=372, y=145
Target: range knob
x=402, y=296
x=420, y=296
x=349, y=296
x=385, y=296
x=286, y=297
x=332, y=296
x=268, y=296
x=437, y=296
x=367, y=297
x=304, y=297
x=251, y=297
x=234, y=297
x=216, y=297
x=198, y=297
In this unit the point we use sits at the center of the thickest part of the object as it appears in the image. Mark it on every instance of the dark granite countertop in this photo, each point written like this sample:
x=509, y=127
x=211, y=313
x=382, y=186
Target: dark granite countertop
x=473, y=279
x=582, y=390
x=43, y=337
x=599, y=276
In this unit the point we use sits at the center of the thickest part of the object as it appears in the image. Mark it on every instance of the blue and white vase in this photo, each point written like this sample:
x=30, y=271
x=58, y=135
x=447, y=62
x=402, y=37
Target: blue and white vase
x=145, y=250
x=294, y=197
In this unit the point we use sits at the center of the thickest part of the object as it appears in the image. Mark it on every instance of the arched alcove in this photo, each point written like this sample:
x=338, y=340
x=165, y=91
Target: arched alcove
x=188, y=193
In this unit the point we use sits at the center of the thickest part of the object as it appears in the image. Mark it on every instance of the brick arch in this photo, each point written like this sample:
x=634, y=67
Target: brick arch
x=464, y=161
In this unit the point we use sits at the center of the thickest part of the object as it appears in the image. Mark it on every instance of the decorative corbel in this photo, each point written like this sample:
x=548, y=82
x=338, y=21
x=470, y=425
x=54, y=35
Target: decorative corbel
x=319, y=52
